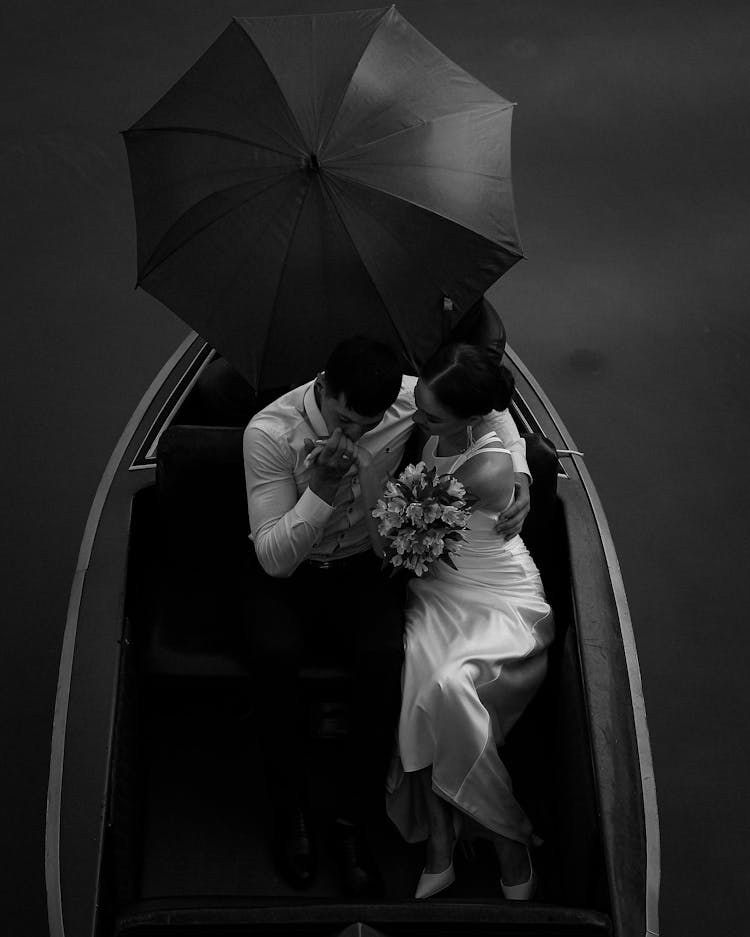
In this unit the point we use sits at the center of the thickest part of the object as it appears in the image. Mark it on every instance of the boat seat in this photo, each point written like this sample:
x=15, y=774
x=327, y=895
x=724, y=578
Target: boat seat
x=205, y=558
x=204, y=553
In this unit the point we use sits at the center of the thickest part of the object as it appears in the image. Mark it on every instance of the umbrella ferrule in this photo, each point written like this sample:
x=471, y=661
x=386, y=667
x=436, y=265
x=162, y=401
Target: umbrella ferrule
x=311, y=163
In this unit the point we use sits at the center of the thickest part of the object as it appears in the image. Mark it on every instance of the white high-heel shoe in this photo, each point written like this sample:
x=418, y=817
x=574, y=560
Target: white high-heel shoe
x=430, y=883
x=524, y=891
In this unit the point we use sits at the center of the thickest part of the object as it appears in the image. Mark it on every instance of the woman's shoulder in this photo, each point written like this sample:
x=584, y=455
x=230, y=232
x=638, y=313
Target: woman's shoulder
x=488, y=475
x=487, y=463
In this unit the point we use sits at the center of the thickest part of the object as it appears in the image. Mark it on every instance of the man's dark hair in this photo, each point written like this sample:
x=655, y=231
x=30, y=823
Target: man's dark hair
x=366, y=372
x=469, y=379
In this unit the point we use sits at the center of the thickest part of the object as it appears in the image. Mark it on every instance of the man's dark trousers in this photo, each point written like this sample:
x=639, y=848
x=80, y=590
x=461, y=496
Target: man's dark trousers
x=353, y=612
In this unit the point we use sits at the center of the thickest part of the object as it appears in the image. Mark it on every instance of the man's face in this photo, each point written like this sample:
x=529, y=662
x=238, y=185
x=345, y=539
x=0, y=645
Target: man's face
x=336, y=413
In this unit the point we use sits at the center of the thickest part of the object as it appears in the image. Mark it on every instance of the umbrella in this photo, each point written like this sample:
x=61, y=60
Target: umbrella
x=316, y=176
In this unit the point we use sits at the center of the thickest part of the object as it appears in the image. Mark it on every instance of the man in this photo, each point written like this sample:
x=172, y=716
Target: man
x=324, y=587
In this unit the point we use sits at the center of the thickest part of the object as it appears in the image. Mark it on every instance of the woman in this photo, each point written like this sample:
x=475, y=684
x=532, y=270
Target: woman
x=475, y=639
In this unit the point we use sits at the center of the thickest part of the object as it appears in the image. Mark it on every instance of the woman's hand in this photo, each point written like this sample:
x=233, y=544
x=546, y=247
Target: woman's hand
x=510, y=521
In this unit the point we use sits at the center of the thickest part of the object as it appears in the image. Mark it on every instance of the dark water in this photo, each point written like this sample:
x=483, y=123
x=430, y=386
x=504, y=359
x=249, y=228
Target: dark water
x=631, y=147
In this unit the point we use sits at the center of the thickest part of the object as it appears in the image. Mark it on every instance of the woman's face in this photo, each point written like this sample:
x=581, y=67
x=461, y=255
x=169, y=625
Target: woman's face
x=431, y=416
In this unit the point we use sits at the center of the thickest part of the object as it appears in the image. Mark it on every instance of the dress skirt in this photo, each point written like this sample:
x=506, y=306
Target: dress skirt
x=475, y=655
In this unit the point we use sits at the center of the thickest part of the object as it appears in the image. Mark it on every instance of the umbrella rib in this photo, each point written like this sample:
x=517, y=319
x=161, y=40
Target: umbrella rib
x=202, y=131
x=418, y=126
x=259, y=236
x=290, y=112
x=415, y=263
x=464, y=172
x=281, y=275
x=332, y=122
x=314, y=96
x=149, y=270
x=431, y=211
x=394, y=323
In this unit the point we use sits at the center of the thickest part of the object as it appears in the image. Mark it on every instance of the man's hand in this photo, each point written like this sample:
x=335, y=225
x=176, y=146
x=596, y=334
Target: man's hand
x=332, y=462
x=511, y=521
x=313, y=448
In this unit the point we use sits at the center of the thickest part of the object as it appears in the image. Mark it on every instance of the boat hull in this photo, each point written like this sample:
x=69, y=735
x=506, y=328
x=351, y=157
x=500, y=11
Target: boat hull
x=608, y=722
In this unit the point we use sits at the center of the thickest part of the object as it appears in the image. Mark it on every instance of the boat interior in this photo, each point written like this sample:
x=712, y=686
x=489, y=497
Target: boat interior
x=188, y=841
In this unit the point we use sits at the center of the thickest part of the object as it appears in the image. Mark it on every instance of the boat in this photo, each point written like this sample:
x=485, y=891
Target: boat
x=155, y=811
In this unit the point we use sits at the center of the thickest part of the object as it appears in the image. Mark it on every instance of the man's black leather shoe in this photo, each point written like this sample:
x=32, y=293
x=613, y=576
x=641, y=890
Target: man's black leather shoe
x=294, y=847
x=361, y=878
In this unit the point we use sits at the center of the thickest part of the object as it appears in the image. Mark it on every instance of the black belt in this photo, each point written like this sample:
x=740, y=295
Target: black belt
x=332, y=565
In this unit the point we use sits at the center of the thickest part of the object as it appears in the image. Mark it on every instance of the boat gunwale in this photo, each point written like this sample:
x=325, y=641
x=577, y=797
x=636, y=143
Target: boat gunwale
x=645, y=759
x=145, y=457
x=55, y=918
x=236, y=910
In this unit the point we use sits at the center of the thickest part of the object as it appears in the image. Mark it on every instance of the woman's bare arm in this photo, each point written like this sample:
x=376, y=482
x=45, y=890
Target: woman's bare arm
x=489, y=476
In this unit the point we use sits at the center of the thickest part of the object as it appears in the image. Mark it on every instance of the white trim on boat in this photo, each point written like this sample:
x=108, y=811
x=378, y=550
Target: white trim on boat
x=648, y=785
x=54, y=786
x=167, y=420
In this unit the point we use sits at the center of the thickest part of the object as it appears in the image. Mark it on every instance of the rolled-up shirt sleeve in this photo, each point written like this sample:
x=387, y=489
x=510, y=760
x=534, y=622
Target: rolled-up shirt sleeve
x=284, y=526
x=505, y=427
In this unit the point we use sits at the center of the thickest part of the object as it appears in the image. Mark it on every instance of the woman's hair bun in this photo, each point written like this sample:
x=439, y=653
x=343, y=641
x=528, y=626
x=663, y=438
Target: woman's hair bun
x=469, y=380
x=506, y=384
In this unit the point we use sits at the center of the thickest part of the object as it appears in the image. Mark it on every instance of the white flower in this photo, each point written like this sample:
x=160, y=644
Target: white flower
x=392, y=490
x=416, y=564
x=403, y=540
x=390, y=523
x=453, y=516
x=455, y=488
x=413, y=473
x=415, y=513
x=434, y=543
x=431, y=511
x=380, y=509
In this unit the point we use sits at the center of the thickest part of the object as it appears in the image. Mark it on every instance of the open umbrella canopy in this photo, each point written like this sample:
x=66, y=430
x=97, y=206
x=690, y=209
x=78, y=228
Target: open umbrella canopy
x=314, y=176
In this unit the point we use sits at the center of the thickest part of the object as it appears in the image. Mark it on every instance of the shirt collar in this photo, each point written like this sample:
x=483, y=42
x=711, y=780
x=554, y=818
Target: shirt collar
x=312, y=412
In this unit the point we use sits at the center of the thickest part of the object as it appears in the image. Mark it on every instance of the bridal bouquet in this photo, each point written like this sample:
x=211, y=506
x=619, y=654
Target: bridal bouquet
x=421, y=518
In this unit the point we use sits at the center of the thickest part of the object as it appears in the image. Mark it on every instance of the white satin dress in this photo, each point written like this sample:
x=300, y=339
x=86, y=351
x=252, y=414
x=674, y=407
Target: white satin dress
x=475, y=655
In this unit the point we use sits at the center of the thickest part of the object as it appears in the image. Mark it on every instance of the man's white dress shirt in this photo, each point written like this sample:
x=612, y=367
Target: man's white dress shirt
x=289, y=523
